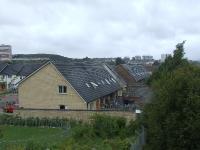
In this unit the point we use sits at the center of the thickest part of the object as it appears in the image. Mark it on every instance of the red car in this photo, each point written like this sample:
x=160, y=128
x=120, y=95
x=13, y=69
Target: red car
x=9, y=108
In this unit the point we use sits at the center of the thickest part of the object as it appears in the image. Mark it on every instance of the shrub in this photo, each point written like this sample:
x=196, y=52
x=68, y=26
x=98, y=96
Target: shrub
x=82, y=131
x=35, y=146
x=1, y=134
x=106, y=126
x=118, y=143
x=35, y=122
x=131, y=128
x=13, y=147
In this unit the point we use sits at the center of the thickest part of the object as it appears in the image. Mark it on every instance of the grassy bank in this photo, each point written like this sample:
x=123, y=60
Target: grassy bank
x=101, y=133
x=13, y=135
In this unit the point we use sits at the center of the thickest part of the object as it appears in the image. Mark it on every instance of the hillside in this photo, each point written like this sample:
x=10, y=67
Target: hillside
x=51, y=57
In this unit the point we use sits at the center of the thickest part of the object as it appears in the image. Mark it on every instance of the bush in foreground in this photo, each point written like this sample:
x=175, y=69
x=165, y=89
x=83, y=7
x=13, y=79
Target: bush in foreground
x=103, y=132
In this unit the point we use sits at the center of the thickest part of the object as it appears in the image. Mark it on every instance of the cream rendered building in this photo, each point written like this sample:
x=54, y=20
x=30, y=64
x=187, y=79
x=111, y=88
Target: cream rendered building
x=68, y=86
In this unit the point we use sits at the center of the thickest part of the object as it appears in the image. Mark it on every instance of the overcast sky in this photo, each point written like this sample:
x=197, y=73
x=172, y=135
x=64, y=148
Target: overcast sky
x=100, y=28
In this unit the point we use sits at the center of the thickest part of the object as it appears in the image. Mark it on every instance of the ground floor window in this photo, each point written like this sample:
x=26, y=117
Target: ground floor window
x=91, y=106
x=119, y=93
x=3, y=86
x=62, y=107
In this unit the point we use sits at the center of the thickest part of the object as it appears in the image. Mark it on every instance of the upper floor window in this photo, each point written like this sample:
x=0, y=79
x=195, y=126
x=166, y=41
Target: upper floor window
x=62, y=89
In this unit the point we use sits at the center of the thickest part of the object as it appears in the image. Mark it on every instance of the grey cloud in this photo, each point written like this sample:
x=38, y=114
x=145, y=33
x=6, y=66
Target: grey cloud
x=100, y=28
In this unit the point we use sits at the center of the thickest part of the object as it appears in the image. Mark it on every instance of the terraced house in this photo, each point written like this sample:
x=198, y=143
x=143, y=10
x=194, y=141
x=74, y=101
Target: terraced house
x=12, y=73
x=135, y=76
x=69, y=86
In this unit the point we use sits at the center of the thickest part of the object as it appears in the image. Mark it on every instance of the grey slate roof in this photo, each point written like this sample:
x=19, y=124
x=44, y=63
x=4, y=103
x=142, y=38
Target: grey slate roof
x=139, y=72
x=11, y=69
x=28, y=69
x=19, y=69
x=115, y=75
x=2, y=66
x=90, y=81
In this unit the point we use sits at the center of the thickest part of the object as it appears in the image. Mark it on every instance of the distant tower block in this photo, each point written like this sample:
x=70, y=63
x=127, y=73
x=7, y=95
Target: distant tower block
x=5, y=53
x=138, y=58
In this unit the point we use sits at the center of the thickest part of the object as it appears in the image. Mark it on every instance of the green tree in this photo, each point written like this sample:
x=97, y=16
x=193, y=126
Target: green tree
x=1, y=134
x=119, y=61
x=172, y=119
x=171, y=63
x=86, y=59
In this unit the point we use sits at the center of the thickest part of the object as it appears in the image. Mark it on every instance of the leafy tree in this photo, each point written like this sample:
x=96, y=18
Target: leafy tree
x=172, y=119
x=1, y=134
x=86, y=59
x=119, y=61
x=171, y=63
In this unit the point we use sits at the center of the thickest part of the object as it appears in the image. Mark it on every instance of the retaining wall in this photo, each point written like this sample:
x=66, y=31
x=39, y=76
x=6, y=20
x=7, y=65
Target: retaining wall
x=84, y=115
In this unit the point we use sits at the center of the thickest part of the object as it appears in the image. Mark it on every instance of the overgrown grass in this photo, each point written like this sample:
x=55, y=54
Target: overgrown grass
x=16, y=120
x=22, y=136
x=102, y=133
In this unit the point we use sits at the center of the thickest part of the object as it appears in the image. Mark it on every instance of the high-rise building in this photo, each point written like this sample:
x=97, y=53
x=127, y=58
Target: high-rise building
x=147, y=57
x=138, y=58
x=5, y=53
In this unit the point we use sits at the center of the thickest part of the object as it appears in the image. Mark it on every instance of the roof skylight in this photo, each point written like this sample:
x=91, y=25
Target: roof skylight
x=94, y=84
x=113, y=80
x=87, y=84
x=107, y=81
x=102, y=82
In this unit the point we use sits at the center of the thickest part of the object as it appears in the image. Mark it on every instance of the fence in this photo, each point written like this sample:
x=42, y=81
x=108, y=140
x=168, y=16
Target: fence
x=139, y=141
x=83, y=115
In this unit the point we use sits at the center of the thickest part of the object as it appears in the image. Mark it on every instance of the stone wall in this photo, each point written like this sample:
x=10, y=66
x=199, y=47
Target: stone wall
x=83, y=115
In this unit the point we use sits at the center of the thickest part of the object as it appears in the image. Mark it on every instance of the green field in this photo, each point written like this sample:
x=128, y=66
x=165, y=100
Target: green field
x=22, y=135
x=102, y=133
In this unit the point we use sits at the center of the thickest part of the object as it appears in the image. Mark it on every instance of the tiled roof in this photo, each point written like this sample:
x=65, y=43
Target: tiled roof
x=2, y=66
x=19, y=69
x=12, y=69
x=90, y=81
x=116, y=75
x=137, y=71
x=28, y=69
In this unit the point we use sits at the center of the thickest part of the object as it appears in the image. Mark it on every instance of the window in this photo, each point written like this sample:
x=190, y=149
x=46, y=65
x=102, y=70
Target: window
x=62, y=107
x=91, y=106
x=119, y=93
x=3, y=86
x=62, y=89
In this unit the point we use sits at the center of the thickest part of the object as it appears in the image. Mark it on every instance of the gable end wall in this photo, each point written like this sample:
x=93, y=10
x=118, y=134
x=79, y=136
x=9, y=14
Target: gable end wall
x=41, y=91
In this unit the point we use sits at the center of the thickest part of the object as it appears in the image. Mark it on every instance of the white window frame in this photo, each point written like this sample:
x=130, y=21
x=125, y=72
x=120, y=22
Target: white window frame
x=62, y=89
